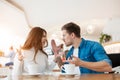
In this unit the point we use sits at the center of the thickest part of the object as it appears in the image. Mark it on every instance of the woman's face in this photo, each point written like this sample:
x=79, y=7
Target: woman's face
x=44, y=39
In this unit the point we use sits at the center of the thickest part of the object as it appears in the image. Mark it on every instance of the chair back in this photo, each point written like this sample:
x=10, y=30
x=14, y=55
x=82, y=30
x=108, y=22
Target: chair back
x=115, y=58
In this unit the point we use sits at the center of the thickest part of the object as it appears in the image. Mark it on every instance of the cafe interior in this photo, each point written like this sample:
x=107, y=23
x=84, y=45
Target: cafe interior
x=99, y=21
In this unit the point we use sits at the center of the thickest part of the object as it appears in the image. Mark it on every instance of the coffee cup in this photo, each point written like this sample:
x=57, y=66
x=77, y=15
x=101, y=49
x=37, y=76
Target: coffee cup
x=5, y=72
x=33, y=69
x=68, y=68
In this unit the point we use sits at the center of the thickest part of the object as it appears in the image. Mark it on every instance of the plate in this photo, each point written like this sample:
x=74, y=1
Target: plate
x=3, y=76
x=67, y=74
x=27, y=74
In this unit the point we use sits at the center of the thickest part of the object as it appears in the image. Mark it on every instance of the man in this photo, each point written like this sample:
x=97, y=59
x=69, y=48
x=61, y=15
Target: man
x=88, y=56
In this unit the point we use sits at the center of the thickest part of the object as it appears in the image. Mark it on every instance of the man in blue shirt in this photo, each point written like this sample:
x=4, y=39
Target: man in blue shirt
x=88, y=56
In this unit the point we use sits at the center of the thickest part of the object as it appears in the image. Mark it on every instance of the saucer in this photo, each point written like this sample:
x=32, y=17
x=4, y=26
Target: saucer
x=3, y=76
x=68, y=74
x=27, y=74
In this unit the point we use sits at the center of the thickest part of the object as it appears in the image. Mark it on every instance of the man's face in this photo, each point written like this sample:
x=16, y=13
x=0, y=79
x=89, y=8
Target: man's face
x=67, y=38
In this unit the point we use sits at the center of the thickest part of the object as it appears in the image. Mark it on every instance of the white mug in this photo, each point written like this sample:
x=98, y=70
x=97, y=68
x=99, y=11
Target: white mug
x=68, y=68
x=5, y=71
x=33, y=69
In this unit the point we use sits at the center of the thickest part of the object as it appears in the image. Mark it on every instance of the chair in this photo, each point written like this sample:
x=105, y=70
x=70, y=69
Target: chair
x=115, y=58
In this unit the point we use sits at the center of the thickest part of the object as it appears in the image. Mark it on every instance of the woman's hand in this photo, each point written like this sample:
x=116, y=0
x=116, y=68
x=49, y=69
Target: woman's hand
x=20, y=56
x=56, y=48
x=58, y=61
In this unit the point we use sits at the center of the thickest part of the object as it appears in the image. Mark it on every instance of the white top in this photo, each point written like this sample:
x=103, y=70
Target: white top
x=41, y=60
x=75, y=53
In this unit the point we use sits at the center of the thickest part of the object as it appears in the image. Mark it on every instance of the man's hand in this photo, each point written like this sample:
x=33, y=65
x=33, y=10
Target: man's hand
x=74, y=60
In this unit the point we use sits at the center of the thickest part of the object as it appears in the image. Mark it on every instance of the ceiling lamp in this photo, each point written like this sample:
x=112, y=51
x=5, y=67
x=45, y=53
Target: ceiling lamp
x=90, y=29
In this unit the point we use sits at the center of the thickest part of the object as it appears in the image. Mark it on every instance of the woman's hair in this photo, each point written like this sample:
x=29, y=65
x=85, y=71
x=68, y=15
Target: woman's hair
x=72, y=28
x=34, y=40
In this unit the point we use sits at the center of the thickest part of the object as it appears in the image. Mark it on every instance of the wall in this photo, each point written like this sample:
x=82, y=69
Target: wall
x=13, y=25
x=113, y=28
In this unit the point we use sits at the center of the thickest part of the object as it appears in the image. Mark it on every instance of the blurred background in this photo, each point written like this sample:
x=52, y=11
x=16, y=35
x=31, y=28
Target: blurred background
x=17, y=17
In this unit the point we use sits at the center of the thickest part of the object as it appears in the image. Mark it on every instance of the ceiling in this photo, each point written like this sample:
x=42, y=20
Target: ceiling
x=53, y=14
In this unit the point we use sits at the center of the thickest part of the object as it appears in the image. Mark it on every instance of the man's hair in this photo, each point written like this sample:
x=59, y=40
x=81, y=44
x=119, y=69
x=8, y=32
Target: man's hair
x=72, y=28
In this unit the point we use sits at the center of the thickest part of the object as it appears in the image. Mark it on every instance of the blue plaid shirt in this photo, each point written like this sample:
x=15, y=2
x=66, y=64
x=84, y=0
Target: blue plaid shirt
x=90, y=51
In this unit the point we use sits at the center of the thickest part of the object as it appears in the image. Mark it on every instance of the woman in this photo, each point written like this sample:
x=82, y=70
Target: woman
x=32, y=53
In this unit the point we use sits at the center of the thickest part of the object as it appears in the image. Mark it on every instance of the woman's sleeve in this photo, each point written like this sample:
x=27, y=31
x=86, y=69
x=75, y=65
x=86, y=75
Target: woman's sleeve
x=50, y=64
x=17, y=67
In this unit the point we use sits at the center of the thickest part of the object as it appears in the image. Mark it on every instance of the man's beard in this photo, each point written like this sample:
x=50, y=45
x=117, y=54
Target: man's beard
x=68, y=44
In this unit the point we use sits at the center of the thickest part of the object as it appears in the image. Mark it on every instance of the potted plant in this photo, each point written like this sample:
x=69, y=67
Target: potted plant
x=104, y=38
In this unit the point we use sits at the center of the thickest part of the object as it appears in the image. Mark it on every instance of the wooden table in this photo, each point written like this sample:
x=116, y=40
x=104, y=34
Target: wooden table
x=62, y=77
